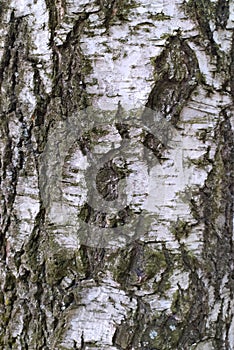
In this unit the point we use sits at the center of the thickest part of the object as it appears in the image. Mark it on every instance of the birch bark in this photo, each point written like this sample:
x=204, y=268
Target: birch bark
x=117, y=174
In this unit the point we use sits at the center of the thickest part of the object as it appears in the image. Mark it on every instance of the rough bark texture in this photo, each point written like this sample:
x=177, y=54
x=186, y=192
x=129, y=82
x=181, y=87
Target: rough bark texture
x=166, y=280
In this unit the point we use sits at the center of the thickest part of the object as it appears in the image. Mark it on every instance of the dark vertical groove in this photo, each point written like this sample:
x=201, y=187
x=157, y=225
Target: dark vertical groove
x=232, y=68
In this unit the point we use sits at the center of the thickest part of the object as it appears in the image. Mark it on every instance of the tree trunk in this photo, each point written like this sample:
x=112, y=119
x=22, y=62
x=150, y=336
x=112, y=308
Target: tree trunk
x=117, y=174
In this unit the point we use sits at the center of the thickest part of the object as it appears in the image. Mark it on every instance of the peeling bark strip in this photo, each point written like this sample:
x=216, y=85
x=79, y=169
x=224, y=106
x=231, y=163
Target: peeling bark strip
x=171, y=286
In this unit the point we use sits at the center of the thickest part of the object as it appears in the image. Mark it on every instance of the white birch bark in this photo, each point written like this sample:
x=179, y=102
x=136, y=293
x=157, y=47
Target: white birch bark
x=117, y=174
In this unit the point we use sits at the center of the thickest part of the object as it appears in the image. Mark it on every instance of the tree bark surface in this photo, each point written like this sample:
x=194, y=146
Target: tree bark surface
x=116, y=155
